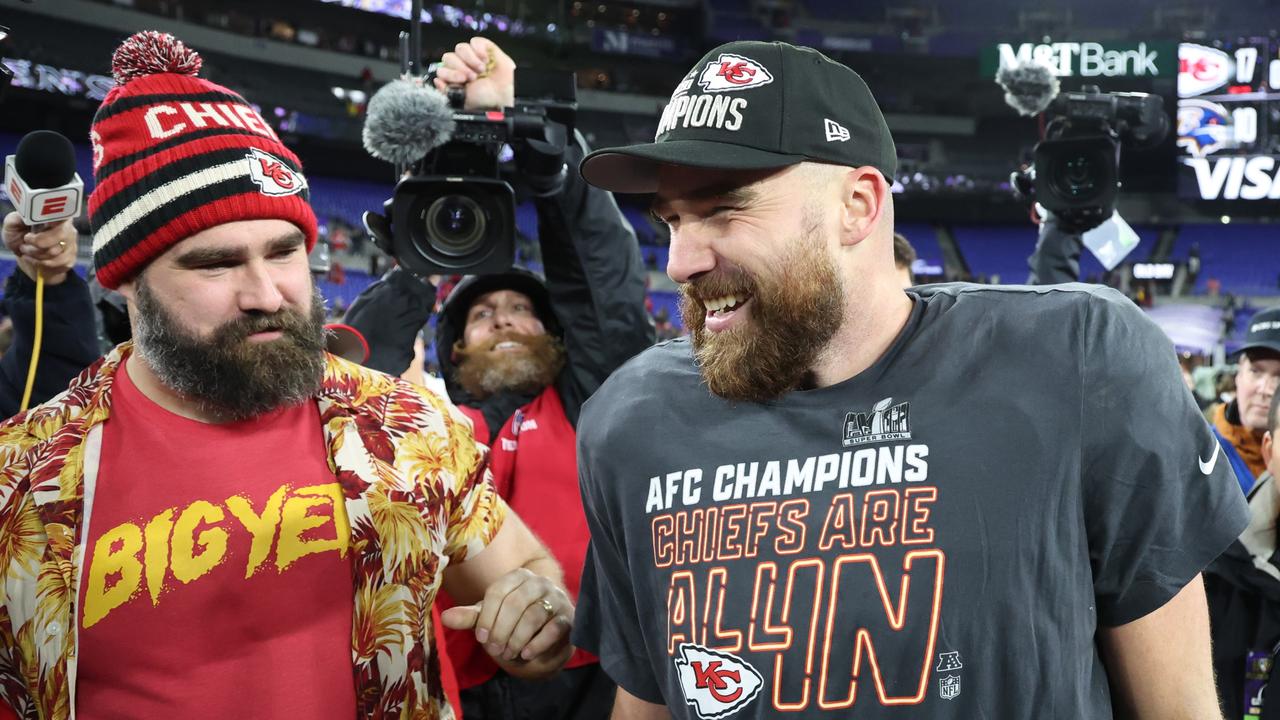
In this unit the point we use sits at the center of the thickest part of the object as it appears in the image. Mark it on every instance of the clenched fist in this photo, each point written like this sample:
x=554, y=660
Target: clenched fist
x=486, y=73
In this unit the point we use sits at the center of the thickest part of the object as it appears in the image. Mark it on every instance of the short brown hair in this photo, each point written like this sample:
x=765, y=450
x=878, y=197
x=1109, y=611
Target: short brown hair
x=904, y=256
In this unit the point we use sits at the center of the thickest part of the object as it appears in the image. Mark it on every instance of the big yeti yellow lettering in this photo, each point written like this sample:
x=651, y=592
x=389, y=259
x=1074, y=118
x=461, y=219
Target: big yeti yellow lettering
x=261, y=527
x=100, y=599
x=187, y=564
x=191, y=542
x=296, y=521
x=157, y=554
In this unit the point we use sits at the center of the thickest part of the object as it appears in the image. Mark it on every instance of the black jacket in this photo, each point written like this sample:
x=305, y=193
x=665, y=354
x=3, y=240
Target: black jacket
x=1243, y=588
x=1056, y=258
x=595, y=282
x=70, y=341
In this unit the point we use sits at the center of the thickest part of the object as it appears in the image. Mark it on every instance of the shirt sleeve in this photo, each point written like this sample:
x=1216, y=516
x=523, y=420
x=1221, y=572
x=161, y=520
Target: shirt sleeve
x=1160, y=501
x=607, y=622
x=476, y=511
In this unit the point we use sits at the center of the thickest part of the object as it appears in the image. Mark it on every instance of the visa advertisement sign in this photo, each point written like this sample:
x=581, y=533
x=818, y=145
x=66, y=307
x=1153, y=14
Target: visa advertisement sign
x=1228, y=121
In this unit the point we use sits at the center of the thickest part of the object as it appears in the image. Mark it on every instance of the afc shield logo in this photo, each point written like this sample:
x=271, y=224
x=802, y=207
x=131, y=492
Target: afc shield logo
x=949, y=685
x=716, y=684
x=948, y=661
x=272, y=176
x=733, y=72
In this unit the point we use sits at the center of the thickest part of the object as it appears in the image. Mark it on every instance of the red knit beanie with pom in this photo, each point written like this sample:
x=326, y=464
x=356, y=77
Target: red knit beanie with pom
x=174, y=154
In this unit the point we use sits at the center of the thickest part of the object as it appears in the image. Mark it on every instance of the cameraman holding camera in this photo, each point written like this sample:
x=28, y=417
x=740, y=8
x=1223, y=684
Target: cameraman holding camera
x=520, y=357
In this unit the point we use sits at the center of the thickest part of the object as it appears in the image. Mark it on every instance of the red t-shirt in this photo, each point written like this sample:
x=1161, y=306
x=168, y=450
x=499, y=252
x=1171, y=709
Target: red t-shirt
x=535, y=469
x=217, y=576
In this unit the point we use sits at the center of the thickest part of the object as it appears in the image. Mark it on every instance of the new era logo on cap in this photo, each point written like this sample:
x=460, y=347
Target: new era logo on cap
x=835, y=131
x=733, y=72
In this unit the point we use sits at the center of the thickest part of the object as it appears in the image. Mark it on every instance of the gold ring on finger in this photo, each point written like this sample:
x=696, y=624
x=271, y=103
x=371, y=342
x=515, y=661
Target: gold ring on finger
x=546, y=605
x=62, y=244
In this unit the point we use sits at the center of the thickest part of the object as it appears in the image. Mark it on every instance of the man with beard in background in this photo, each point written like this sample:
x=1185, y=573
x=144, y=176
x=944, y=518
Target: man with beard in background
x=520, y=356
x=219, y=519
x=837, y=498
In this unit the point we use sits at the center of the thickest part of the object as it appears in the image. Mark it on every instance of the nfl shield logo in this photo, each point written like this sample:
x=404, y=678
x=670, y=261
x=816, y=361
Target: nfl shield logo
x=949, y=687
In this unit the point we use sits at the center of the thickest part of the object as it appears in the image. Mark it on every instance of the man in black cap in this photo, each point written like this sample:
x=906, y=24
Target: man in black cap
x=840, y=499
x=519, y=356
x=1241, y=423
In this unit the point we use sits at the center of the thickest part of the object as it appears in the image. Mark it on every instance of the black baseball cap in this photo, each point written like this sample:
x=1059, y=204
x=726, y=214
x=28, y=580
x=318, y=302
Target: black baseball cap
x=1263, y=332
x=753, y=105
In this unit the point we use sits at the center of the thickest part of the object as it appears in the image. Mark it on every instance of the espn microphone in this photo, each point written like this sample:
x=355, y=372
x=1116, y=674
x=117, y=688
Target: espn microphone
x=42, y=181
x=406, y=120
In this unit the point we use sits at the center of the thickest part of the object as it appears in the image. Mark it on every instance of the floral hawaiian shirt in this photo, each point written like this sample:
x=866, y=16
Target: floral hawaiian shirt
x=418, y=497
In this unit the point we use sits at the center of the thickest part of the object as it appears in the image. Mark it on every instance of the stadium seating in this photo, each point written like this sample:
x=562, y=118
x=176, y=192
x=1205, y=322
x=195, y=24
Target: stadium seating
x=1002, y=250
x=347, y=199
x=1233, y=255
x=667, y=300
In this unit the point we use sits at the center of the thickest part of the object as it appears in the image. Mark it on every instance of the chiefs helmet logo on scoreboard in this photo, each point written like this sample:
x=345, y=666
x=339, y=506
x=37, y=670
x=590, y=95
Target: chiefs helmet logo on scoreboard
x=1201, y=69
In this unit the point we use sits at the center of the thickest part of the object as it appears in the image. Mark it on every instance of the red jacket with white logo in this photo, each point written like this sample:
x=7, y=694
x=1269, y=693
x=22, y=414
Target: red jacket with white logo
x=535, y=468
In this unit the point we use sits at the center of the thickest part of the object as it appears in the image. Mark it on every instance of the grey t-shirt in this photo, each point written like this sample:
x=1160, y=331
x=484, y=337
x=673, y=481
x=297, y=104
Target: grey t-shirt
x=938, y=537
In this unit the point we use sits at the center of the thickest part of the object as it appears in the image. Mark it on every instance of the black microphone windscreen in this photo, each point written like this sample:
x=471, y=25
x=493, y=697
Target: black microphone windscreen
x=45, y=159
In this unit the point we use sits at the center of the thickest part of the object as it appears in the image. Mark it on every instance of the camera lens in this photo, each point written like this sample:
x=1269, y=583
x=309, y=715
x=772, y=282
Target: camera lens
x=455, y=225
x=1077, y=176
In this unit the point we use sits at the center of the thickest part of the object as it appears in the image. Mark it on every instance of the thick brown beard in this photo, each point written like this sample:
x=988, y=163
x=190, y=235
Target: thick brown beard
x=225, y=373
x=794, y=315
x=483, y=373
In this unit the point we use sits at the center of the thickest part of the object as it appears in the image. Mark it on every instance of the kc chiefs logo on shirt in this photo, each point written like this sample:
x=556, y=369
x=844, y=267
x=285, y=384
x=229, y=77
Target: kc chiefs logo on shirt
x=716, y=684
x=733, y=72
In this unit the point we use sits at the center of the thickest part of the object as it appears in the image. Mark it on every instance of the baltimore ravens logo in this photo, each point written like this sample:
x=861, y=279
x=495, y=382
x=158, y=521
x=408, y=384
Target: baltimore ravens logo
x=1203, y=127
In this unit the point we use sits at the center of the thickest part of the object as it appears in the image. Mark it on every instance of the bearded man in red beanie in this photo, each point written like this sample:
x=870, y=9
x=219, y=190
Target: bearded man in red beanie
x=219, y=519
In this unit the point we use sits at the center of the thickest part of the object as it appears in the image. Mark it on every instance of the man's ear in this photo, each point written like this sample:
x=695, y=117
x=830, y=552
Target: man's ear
x=864, y=197
x=129, y=289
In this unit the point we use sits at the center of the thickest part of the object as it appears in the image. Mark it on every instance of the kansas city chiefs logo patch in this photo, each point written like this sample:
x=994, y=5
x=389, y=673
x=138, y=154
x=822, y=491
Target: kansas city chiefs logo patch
x=733, y=72
x=716, y=684
x=271, y=175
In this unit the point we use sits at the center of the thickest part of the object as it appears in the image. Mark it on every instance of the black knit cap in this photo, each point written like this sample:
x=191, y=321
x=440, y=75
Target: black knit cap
x=752, y=106
x=455, y=307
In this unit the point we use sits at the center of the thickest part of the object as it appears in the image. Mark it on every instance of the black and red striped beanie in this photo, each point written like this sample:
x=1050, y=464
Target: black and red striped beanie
x=174, y=155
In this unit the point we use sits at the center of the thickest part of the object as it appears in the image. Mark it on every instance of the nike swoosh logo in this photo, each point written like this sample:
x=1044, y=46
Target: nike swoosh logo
x=1207, y=467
